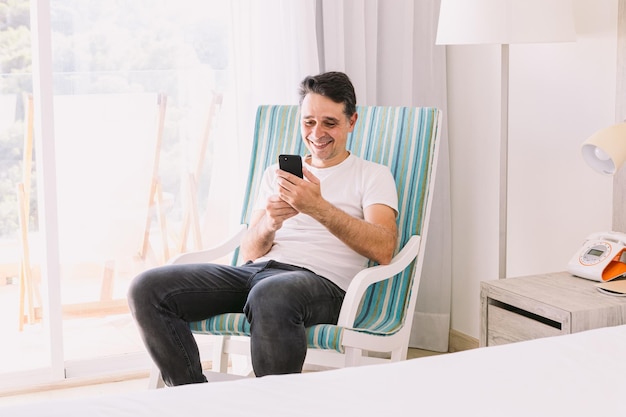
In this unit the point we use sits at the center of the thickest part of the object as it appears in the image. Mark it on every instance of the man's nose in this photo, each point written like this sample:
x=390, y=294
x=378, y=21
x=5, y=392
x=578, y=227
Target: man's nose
x=316, y=132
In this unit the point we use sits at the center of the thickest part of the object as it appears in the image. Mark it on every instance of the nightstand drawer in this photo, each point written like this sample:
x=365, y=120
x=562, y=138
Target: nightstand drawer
x=524, y=308
x=506, y=324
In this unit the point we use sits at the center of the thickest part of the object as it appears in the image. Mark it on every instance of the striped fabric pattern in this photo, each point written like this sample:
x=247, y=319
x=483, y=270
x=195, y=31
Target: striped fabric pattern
x=277, y=131
x=229, y=324
x=399, y=137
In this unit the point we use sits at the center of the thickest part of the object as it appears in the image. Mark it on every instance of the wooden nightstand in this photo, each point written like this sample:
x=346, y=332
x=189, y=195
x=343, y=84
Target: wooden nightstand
x=524, y=308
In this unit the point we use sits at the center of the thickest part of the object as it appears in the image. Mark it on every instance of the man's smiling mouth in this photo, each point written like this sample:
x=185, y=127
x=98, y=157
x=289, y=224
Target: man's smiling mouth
x=321, y=144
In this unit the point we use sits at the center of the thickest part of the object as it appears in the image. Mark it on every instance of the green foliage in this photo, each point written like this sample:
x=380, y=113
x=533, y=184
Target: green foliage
x=15, y=61
x=100, y=46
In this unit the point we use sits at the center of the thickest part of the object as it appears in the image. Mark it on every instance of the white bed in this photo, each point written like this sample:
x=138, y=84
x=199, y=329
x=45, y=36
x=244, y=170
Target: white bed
x=583, y=374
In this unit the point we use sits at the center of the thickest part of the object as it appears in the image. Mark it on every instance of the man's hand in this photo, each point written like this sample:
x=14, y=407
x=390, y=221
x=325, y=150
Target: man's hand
x=263, y=226
x=277, y=210
x=304, y=195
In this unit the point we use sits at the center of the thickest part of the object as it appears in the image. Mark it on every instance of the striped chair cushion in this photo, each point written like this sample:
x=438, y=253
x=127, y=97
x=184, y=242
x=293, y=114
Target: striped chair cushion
x=229, y=324
x=399, y=137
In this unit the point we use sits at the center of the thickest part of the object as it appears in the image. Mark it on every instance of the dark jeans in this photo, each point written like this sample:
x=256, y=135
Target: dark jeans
x=279, y=300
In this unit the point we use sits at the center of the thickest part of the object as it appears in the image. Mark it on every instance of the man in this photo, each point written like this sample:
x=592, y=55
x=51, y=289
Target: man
x=307, y=238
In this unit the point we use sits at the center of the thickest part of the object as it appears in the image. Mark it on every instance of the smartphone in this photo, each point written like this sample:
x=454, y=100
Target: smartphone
x=291, y=163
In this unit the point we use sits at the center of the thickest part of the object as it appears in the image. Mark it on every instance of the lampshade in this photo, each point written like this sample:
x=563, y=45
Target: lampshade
x=505, y=21
x=605, y=150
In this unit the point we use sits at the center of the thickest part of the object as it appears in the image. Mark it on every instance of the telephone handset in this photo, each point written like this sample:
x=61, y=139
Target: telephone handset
x=602, y=257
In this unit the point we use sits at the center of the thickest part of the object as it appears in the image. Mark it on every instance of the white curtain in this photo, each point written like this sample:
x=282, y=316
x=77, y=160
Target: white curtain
x=388, y=50
x=273, y=48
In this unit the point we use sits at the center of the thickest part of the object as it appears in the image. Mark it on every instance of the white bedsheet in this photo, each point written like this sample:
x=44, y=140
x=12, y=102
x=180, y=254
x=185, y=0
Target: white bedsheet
x=583, y=374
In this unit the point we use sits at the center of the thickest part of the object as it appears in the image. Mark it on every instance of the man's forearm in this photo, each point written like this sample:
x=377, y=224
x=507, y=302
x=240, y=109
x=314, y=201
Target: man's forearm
x=374, y=241
x=257, y=242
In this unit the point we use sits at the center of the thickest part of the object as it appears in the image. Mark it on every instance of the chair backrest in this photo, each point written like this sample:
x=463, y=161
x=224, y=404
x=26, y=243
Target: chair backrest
x=402, y=138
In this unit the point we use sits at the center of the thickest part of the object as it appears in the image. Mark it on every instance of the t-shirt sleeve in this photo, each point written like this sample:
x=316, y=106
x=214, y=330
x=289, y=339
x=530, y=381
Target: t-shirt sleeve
x=381, y=189
x=266, y=187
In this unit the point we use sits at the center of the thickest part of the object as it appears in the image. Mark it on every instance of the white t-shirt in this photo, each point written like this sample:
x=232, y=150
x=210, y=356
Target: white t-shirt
x=302, y=241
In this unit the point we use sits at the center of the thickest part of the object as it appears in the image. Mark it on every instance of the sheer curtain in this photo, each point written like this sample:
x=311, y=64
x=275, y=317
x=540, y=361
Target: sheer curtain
x=388, y=50
x=274, y=47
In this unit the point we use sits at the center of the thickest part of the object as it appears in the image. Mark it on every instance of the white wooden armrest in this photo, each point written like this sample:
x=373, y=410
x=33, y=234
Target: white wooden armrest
x=212, y=253
x=368, y=276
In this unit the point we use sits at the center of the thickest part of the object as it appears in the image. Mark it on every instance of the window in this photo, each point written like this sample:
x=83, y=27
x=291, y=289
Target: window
x=140, y=99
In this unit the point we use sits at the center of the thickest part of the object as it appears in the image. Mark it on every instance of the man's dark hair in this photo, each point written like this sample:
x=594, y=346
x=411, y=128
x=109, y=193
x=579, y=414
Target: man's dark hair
x=334, y=85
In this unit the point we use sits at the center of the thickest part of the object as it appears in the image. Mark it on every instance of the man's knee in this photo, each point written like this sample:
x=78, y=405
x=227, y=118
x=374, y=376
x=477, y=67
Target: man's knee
x=266, y=302
x=141, y=290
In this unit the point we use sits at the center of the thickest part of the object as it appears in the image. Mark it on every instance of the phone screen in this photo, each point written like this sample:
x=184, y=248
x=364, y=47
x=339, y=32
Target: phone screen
x=291, y=163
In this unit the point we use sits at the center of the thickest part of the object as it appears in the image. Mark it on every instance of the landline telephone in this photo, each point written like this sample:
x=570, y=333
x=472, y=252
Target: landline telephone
x=602, y=257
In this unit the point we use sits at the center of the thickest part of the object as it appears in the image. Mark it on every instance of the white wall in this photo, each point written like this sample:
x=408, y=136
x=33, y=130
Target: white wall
x=559, y=95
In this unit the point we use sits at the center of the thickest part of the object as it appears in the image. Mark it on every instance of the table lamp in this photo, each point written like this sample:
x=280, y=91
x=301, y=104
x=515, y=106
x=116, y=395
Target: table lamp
x=503, y=22
x=605, y=150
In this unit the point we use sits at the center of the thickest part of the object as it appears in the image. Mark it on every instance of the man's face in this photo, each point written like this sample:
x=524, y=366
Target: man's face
x=325, y=129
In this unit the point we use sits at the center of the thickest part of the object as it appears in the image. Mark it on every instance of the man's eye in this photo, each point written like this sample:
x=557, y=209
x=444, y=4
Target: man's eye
x=308, y=123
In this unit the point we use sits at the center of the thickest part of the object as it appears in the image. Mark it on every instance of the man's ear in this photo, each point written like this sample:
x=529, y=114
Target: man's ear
x=353, y=120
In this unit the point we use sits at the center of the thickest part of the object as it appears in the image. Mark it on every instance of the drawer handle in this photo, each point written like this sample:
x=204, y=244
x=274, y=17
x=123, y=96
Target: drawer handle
x=525, y=313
